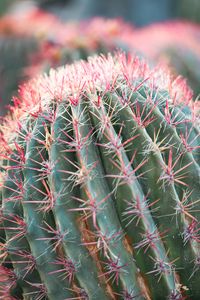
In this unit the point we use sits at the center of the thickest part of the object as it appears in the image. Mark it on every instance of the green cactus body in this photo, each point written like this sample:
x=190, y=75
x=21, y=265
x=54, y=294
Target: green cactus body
x=100, y=190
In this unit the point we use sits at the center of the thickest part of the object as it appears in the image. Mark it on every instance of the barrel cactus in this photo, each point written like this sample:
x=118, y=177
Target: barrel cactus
x=100, y=185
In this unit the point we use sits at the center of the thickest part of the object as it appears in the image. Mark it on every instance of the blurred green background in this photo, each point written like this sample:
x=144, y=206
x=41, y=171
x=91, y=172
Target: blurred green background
x=140, y=12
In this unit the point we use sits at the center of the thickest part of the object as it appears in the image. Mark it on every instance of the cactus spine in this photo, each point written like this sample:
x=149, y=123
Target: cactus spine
x=100, y=197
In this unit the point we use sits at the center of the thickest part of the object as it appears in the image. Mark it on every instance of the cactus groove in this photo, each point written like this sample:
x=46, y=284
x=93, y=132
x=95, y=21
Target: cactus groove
x=100, y=185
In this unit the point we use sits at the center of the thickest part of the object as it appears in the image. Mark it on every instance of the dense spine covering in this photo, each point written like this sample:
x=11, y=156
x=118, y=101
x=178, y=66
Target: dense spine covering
x=100, y=189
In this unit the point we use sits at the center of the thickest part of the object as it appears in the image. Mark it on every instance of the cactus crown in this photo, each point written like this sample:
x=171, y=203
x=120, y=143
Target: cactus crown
x=100, y=194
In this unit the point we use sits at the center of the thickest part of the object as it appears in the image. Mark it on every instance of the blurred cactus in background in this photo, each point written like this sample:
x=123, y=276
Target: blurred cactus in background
x=176, y=44
x=4, y=6
x=189, y=10
x=64, y=43
x=20, y=35
x=15, y=53
x=78, y=40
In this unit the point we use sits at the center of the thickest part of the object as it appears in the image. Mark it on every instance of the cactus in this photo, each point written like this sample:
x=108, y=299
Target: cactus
x=20, y=36
x=15, y=54
x=100, y=185
x=4, y=6
x=188, y=10
x=78, y=40
x=176, y=43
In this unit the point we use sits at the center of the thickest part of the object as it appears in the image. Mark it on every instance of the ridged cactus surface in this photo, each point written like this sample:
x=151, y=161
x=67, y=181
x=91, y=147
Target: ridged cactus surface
x=100, y=185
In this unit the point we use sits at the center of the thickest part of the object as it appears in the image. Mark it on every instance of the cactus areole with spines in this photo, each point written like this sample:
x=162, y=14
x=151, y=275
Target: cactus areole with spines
x=100, y=185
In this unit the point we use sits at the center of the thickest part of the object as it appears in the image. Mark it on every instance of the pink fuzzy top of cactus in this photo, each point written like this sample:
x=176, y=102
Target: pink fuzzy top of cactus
x=99, y=73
